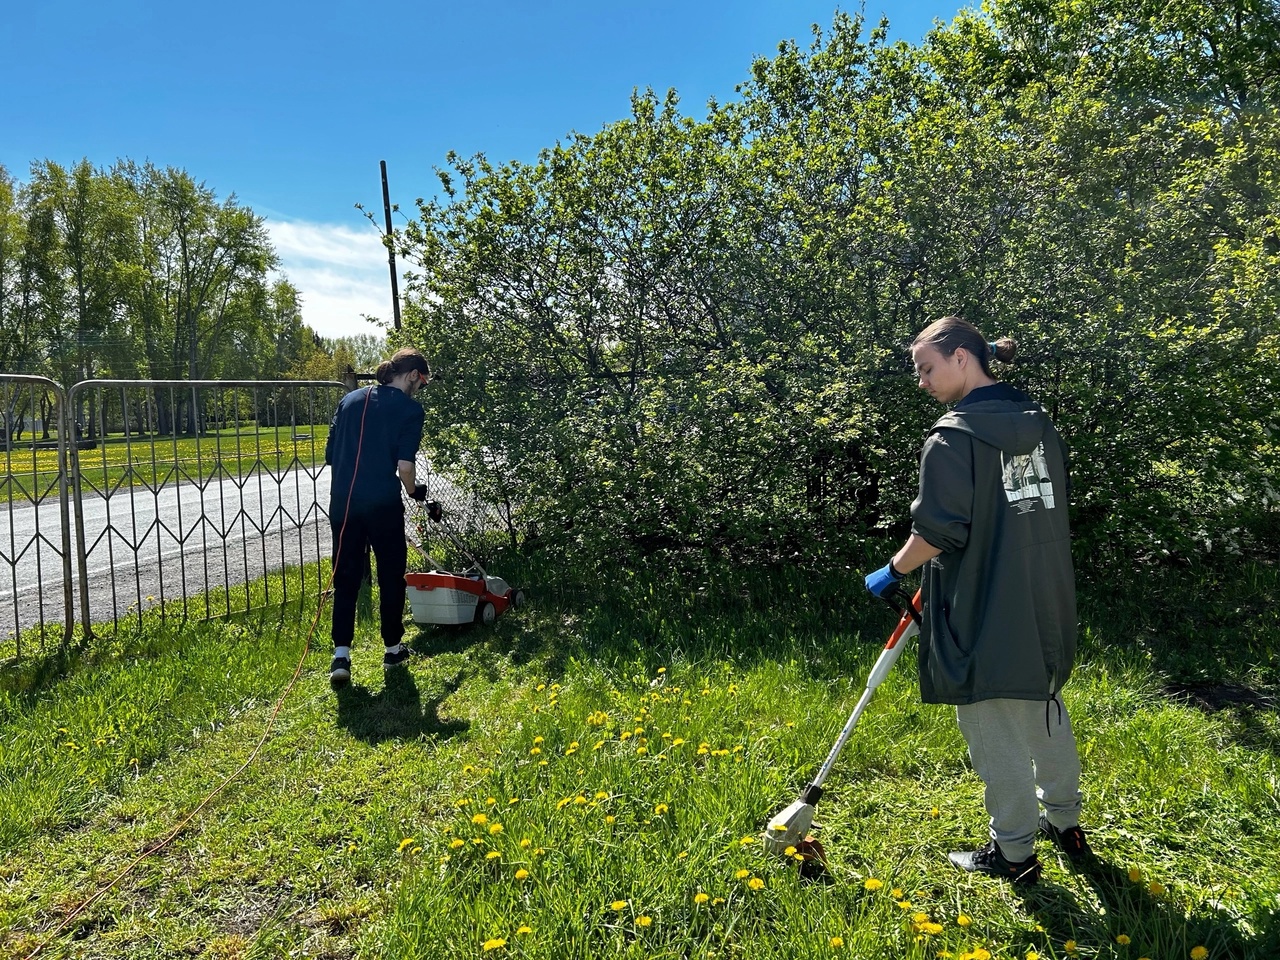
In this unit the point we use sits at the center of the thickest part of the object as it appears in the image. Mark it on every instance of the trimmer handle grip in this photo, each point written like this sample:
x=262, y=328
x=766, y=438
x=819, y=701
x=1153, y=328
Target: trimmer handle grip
x=903, y=603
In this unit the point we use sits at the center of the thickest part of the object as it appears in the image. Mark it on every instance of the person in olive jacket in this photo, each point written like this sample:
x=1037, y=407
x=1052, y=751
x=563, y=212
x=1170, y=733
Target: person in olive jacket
x=998, y=635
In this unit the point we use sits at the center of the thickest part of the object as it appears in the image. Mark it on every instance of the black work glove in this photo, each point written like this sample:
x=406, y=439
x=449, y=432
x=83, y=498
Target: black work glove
x=435, y=511
x=419, y=492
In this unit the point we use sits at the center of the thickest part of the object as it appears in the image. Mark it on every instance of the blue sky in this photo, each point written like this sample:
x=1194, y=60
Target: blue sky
x=291, y=106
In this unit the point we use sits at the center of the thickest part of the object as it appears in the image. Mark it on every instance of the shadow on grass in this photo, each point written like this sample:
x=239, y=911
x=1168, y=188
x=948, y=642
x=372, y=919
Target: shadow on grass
x=396, y=712
x=1122, y=903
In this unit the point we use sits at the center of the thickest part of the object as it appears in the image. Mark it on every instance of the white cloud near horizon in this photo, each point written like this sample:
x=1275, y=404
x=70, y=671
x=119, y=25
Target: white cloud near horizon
x=340, y=272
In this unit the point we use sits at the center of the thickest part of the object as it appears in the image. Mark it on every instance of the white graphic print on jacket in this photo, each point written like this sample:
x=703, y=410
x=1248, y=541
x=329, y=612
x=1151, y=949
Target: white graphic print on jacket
x=1026, y=479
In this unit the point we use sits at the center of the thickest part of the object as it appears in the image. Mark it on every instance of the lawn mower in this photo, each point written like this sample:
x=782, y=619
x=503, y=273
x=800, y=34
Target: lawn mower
x=787, y=832
x=440, y=596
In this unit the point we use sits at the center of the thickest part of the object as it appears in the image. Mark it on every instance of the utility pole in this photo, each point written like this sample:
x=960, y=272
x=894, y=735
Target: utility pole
x=391, y=250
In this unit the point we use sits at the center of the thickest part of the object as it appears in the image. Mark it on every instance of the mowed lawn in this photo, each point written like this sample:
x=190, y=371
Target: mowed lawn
x=31, y=474
x=589, y=778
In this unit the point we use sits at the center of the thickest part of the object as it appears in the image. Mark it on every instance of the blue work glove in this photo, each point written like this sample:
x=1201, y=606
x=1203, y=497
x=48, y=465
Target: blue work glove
x=883, y=580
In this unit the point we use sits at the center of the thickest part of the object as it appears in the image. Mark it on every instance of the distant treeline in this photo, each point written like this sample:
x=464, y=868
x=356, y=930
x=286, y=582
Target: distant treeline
x=139, y=272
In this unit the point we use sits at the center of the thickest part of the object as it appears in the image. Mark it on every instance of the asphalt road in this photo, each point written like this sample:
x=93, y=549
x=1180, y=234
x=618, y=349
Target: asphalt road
x=142, y=545
x=177, y=542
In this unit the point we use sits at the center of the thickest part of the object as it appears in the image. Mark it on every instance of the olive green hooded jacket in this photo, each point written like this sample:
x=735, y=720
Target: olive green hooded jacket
x=999, y=617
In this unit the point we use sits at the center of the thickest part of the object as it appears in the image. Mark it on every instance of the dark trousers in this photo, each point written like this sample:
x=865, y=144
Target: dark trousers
x=383, y=530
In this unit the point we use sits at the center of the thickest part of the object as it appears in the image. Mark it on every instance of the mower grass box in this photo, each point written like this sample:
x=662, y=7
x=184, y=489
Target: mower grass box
x=451, y=598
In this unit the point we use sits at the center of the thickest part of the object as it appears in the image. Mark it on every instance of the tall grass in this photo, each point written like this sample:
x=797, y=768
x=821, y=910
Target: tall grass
x=589, y=778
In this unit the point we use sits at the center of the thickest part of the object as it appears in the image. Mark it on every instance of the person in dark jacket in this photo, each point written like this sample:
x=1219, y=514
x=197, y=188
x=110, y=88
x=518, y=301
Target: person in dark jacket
x=998, y=634
x=373, y=450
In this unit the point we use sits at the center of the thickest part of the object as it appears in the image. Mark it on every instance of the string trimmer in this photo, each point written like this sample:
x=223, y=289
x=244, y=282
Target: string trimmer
x=789, y=829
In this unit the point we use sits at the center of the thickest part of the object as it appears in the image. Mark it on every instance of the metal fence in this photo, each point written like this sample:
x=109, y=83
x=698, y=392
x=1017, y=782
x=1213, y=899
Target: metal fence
x=175, y=496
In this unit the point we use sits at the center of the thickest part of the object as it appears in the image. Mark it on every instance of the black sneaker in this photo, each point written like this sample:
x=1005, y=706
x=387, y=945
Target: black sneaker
x=990, y=860
x=1070, y=840
x=339, y=672
x=396, y=656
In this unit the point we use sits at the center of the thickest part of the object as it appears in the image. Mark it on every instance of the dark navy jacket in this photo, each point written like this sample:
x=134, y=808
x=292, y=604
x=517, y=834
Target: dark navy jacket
x=385, y=425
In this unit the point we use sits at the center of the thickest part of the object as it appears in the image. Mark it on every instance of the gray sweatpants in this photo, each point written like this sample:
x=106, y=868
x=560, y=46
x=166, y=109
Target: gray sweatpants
x=1022, y=759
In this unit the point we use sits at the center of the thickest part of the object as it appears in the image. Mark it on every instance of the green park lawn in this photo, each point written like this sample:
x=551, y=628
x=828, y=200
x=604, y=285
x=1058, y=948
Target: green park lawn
x=31, y=474
x=589, y=777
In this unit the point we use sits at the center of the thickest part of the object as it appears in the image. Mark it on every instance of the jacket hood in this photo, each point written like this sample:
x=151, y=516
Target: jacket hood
x=1011, y=426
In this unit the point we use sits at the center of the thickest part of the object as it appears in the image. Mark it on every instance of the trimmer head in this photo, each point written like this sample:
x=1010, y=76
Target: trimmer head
x=790, y=827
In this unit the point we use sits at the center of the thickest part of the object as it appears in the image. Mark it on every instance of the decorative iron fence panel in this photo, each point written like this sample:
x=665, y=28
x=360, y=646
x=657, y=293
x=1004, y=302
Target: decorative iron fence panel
x=189, y=492
x=36, y=602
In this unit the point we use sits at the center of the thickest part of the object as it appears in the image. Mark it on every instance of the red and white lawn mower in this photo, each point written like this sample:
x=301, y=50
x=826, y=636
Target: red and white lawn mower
x=444, y=597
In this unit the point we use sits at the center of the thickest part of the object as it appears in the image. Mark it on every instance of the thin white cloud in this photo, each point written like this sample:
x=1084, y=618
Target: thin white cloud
x=340, y=271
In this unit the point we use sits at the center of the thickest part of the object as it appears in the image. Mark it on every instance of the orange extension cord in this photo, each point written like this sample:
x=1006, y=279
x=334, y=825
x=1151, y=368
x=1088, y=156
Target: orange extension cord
x=306, y=648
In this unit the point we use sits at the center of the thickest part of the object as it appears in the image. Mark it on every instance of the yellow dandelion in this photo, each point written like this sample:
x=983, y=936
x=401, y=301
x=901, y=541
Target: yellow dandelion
x=755, y=883
x=579, y=801
x=618, y=905
x=641, y=751
x=480, y=819
x=919, y=917
x=1199, y=953
x=963, y=920
x=700, y=898
x=495, y=828
x=497, y=943
x=1135, y=875
x=904, y=904
x=836, y=942
x=935, y=813
x=1069, y=946
x=1123, y=939
x=1032, y=955
x=464, y=802
x=490, y=801
x=493, y=855
x=981, y=954
x=677, y=741
x=644, y=921
x=525, y=929
x=602, y=795
x=896, y=893
x=513, y=801
x=406, y=842
x=682, y=855
x=660, y=809
x=871, y=883
x=610, y=818
x=534, y=751
x=522, y=874
x=455, y=844
x=1156, y=888
x=716, y=901
x=742, y=874
x=931, y=928
x=747, y=840
x=789, y=852
x=468, y=770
